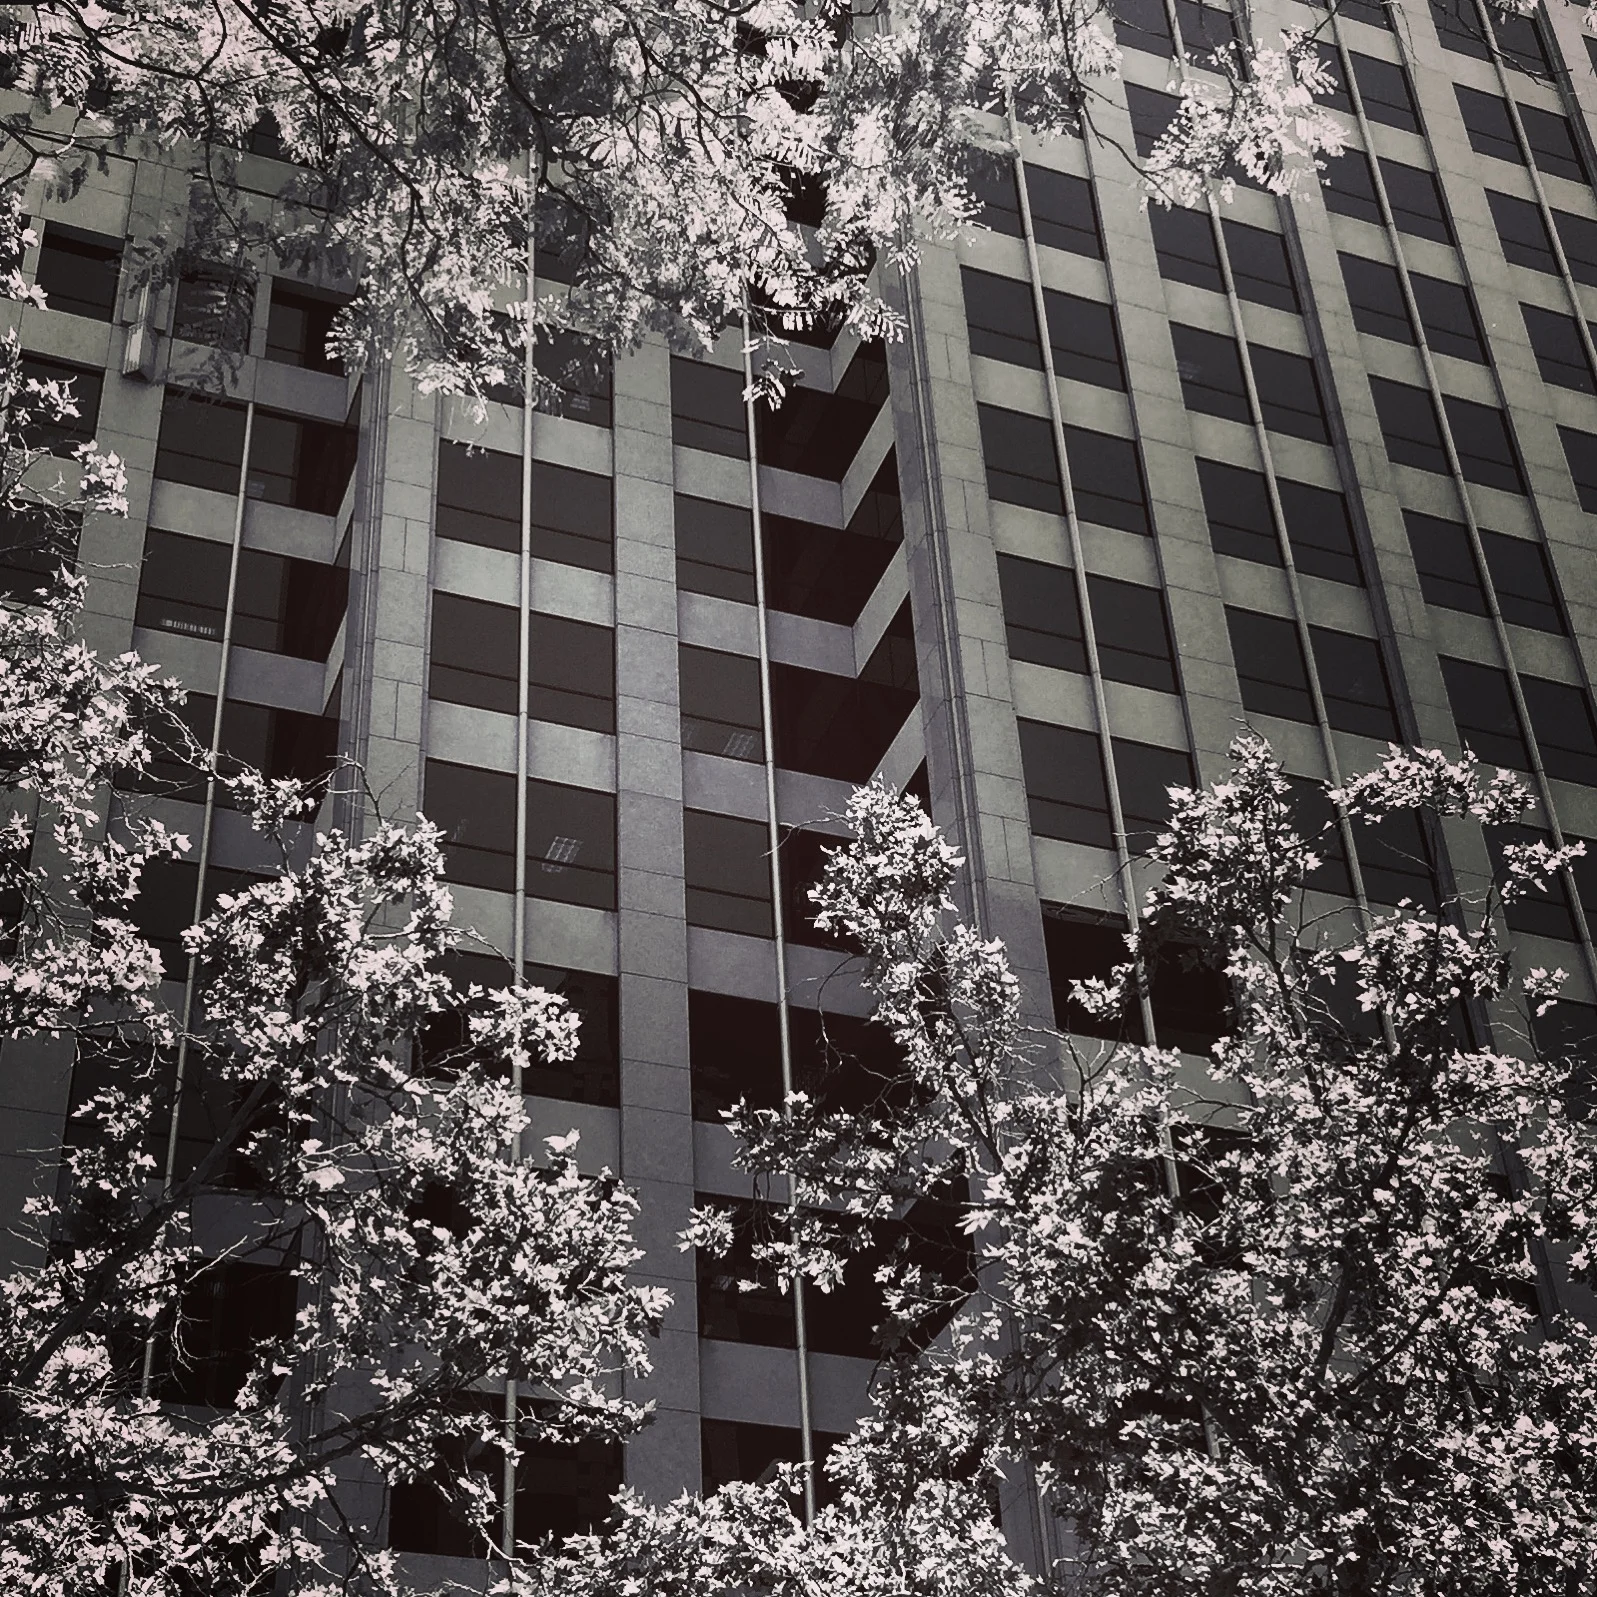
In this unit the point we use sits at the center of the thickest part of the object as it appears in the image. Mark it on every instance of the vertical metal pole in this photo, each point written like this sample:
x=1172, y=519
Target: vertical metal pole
x=774, y=837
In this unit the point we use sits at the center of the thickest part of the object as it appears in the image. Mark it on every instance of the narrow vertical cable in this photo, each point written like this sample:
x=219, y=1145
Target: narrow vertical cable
x=779, y=944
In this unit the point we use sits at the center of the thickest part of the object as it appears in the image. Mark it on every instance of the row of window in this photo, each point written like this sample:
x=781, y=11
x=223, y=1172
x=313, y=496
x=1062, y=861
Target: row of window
x=1551, y=140
x=1561, y=720
x=1212, y=381
x=1023, y=469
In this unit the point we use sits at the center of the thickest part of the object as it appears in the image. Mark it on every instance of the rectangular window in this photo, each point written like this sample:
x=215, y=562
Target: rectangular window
x=1348, y=186
x=479, y=501
x=79, y=272
x=1483, y=711
x=1289, y=393
x=1106, y=477
x=1211, y=372
x=1082, y=336
x=1522, y=232
x=1537, y=914
x=1386, y=92
x=201, y=442
x=1237, y=504
x=1371, y=12
x=1183, y=244
x=1151, y=111
x=997, y=196
x=1260, y=267
x=215, y=306
x=581, y=371
x=1064, y=214
x=475, y=650
x=1065, y=790
x=1206, y=29
x=707, y=409
x=1409, y=425
x=1395, y=860
x=1146, y=773
x=1486, y=120
x=1526, y=592
x=298, y=462
x=1517, y=39
x=1270, y=668
x=226, y=1309
x=1001, y=318
x=720, y=704
x=1578, y=235
x=61, y=436
x=284, y=605
x=1416, y=201
x=1079, y=946
x=298, y=324
x=714, y=549
x=1552, y=144
x=1565, y=731
x=819, y=433
x=1331, y=59
x=1485, y=444
x=1444, y=563
x=32, y=549
x=726, y=862
x=1375, y=295
x=1567, y=1034
x=1353, y=683
x=571, y=844
x=572, y=679
x=1320, y=531
x=1042, y=617
x=1448, y=316
x=1133, y=634
x=1580, y=450
x=1143, y=25
x=1021, y=466
x=1560, y=355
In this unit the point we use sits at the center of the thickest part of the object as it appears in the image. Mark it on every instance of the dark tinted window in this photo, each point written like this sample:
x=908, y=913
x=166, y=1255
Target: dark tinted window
x=1483, y=710
x=1001, y=318
x=1081, y=945
x=819, y=433
x=1578, y=235
x=62, y=435
x=1348, y=186
x=79, y=271
x=1183, y=242
x=1416, y=201
x=1106, y=477
x=214, y=307
x=1151, y=112
x=1565, y=732
x=1445, y=565
x=1331, y=59
x=1560, y=355
x=1082, y=335
x=1021, y=465
x=1146, y=773
x=1042, y=618
x=1567, y=1033
x=1205, y=28
x=479, y=501
x=475, y=649
x=1143, y=25
x=1064, y=214
x=1353, y=683
x=1065, y=790
x=1485, y=444
x=1517, y=39
x=1552, y=143
x=721, y=703
x=715, y=548
x=1384, y=88
x=726, y=862
x=297, y=326
x=1133, y=634
x=1522, y=232
x=1409, y=425
x=581, y=370
x=829, y=572
x=1448, y=317
x=1210, y=371
x=201, y=442
x=707, y=410
x=571, y=844
x=992, y=183
x=1270, y=668
x=1486, y=120
x=302, y=463
x=1373, y=12
x=1259, y=265
x=1539, y=913
x=1237, y=504
x=1289, y=393
x=1319, y=531
x=1375, y=294
x=1526, y=592
x=226, y=1309
x=1580, y=450
x=1395, y=860
x=572, y=676
x=477, y=812
x=33, y=548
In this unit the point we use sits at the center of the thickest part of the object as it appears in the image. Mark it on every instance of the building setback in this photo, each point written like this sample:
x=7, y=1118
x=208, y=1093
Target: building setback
x=1132, y=479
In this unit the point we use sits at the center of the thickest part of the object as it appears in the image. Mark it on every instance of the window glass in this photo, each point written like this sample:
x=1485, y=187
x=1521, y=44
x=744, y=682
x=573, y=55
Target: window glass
x=1552, y=144
x=738, y=1450
x=61, y=436
x=1375, y=294
x=226, y=1308
x=1151, y=111
x=714, y=548
x=476, y=811
x=1143, y=25
x=1384, y=89
x=479, y=496
x=992, y=182
x=1331, y=59
x=1409, y=425
x=1320, y=531
x=1237, y=503
x=1106, y=477
x=1560, y=356
x=1183, y=243
x=726, y=863
x=1206, y=29
x=819, y=433
x=1259, y=265
x=594, y=1076
x=79, y=271
x=1565, y=731
x=1021, y=466
x=1395, y=860
x=1526, y=592
x=804, y=853
x=1522, y=232
x=1081, y=945
x=1538, y=914
x=571, y=844
x=1483, y=710
x=1000, y=318
x=1353, y=682
x=1416, y=201
x=1580, y=450
x=573, y=516
x=1289, y=393
x=1081, y=333
x=572, y=678
x=721, y=703
x=707, y=409
x=297, y=326
x=1578, y=235
x=1133, y=634
x=1348, y=186
x=1486, y=120
x=1485, y=444
x=214, y=306
x=1210, y=371
x=33, y=548
x=299, y=462
x=1270, y=668
x=1042, y=618
x=1064, y=214
x=1372, y=12
x=1448, y=317
x=1567, y=1033
x=201, y=442
x=1146, y=773
x=1445, y=565
x=1314, y=819
x=561, y=250
x=581, y=370
x=1065, y=790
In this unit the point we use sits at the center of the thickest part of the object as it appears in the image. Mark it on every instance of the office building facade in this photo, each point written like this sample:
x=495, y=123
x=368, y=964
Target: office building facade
x=1132, y=479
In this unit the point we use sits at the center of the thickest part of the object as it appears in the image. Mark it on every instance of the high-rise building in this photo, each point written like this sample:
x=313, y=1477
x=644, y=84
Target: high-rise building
x=1132, y=479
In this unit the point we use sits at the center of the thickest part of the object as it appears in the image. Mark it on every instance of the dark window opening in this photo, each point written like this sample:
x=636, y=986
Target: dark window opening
x=1486, y=120
x=714, y=549
x=1106, y=478
x=1522, y=232
x=1260, y=267
x=33, y=547
x=707, y=409
x=1484, y=440
x=1580, y=451
x=1289, y=393
x=306, y=464
x=1083, y=339
x=1064, y=213
x=1409, y=426
x=818, y=434
x=728, y=873
x=1347, y=186
x=1001, y=318
x=1022, y=468
x=1483, y=710
x=1210, y=369
x=720, y=704
x=79, y=272
x=1042, y=618
x=1183, y=243
x=1567, y=1035
x=298, y=325
x=1270, y=667
x=1066, y=795
x=1386, y=92
x=1565, y=732
x=1143, y=25
x=1146, y=772
x=479, y=501
x=1416, y=201
x=1353, y=683
x=1560, y=355
x=215, y=306
x=735, y=1450
x=1133, y=634
x=581, y=372
x=59, y=434
x=1578, y=235
x=1553, y=145
x=228, y=1312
